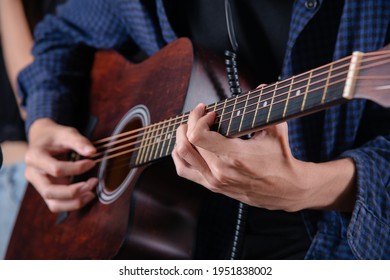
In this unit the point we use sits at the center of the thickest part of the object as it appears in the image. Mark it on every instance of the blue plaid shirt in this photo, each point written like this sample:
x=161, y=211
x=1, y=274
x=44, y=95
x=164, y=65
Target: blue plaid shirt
x=359, y=129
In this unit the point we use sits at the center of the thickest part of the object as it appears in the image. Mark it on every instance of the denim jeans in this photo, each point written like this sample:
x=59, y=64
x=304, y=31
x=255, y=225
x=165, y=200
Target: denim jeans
x=12, y=188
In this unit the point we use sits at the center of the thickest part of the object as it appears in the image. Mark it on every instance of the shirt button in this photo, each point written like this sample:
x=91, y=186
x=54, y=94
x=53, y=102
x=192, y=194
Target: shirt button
x=311, y=4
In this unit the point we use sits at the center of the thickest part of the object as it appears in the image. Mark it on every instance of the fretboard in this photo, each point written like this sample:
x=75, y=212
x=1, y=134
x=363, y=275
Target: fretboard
x=297, y=96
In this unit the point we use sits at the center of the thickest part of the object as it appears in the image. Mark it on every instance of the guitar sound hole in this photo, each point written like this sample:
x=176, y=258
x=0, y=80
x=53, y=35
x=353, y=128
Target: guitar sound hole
x=118, y=166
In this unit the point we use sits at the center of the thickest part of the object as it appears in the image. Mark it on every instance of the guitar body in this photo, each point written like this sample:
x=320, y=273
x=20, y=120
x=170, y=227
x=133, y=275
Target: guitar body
x=152, y=213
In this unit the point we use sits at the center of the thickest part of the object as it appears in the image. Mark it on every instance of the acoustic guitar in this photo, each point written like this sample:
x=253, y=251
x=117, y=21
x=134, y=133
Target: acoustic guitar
x=144, y=210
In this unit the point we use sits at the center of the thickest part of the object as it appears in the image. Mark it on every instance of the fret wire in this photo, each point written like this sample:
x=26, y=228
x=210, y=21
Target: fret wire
x=231, y=115
x=238, y=114
x=288, y=97
x=243, y=114
x=154, y=144
x=160, y=136
x=170, y=134
x=163, y=145
x=150, y=144
x=272, y=101
x=143, y=145
x=223, y=110
x=257, y=108
x=326, y=84
x=307, y=88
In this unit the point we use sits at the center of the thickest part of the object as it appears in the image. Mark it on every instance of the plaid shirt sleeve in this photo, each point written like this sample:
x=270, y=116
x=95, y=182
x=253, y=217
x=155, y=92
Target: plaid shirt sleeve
x=369, y=228
x=63, y=55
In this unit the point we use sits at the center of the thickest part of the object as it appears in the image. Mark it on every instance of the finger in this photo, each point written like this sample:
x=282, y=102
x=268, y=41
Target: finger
x=195, y=115
x=185, y=170
x=69, y=205
x=70, y=138
x=40, y=159
x=50, y=188
x=186, y=152
x=202, y=137
x=45, y=132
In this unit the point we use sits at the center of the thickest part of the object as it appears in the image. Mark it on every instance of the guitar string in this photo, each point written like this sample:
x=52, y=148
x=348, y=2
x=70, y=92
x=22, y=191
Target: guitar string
x=147, y=156
x=183, y=121
x=125, y=162
x=148, y=145
x=135, y=149
x=164, y=129
x=104, y=141
x=253, y=91
x=183, y=116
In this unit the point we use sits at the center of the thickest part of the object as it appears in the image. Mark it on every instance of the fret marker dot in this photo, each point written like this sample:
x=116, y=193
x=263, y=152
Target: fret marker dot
x=157, y=139
x=169, y=136
x=298, y=92
x=238, y=113
x=265, y=103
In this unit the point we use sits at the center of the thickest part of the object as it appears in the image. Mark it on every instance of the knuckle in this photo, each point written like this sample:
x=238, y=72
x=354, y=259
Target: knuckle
x=73, y=193
x=235, y=162
x=214, y=186
x=71, y=134
x=183, y=149
x=29, y=157
x=221, y=176
x=180, y=171
x=195, y=138
x=27, y=173
x=56, y=171
x=46, y=193
x=53, y=207
x=79, y=204
x=290, y=208
x=70, y=130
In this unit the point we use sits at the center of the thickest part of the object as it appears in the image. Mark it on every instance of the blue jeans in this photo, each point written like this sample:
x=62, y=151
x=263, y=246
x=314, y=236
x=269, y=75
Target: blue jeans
x=12, y=188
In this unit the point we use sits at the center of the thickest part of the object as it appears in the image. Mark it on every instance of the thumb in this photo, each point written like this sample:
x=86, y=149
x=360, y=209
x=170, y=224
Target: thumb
x=72, y=139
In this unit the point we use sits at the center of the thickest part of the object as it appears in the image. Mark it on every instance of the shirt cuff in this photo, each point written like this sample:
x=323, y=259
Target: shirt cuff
x=368, y=232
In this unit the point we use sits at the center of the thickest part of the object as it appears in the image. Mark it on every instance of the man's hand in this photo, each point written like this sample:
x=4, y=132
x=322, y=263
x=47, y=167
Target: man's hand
x=50, y=173
x=260, y=171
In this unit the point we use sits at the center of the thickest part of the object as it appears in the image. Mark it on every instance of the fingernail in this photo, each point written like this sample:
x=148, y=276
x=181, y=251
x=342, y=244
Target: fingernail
x=88, y=150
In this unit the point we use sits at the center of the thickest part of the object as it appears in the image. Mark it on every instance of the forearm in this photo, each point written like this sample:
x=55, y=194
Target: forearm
x=17, y=40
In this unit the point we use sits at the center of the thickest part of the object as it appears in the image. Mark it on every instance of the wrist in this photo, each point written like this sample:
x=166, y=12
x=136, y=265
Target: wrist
x=36, y=127
x=330, y=185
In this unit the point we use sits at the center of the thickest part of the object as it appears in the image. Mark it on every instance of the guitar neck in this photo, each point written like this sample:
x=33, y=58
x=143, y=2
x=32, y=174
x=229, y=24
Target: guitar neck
x=283, y=100
x=297, y=96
